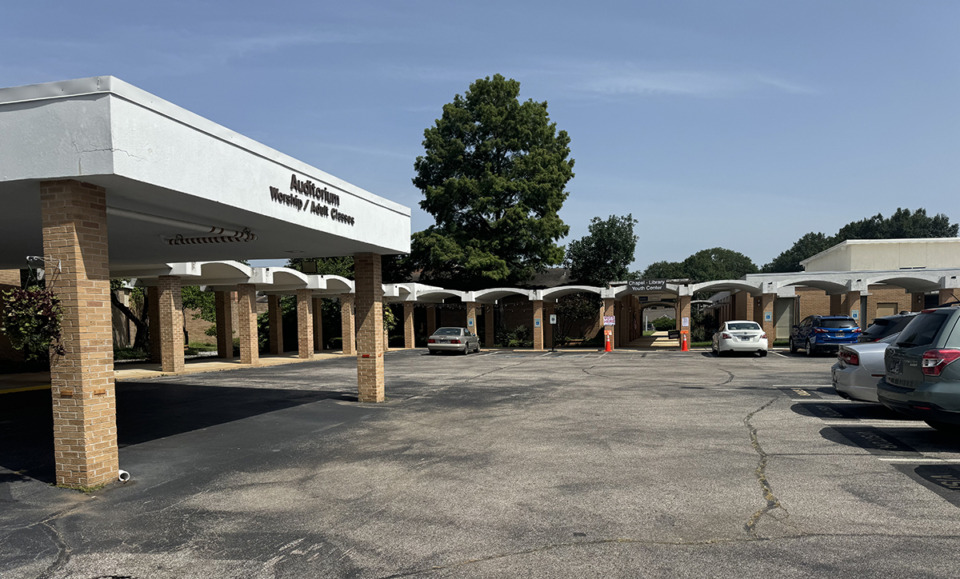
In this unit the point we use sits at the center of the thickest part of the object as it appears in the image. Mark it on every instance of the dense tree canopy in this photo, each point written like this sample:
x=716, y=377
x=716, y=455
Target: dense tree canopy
x=493, y=176
x=705, y=265
x=903, y=224
x=605, y=253
x=394, y=268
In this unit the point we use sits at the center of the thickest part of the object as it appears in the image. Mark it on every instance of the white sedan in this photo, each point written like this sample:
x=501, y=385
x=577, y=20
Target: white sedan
x=740, y=336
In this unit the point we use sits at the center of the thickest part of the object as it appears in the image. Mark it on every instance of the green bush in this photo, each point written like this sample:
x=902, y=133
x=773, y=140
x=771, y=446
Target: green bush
x=664, y=324
x=31, y=320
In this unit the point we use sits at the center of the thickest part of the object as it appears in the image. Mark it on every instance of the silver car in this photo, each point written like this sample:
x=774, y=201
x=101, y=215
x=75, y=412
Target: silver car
x=450, y=339
x=859, y=367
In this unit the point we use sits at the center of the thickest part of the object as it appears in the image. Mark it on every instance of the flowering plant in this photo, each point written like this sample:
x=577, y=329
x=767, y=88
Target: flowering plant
x=31, y=319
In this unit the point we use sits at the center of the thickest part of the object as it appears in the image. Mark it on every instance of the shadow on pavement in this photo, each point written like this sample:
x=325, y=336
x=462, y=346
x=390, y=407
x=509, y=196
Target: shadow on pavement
x=832, y=410
x=145, y=412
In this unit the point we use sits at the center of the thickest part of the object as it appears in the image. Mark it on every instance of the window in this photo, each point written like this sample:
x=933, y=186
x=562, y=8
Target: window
x=923, y=329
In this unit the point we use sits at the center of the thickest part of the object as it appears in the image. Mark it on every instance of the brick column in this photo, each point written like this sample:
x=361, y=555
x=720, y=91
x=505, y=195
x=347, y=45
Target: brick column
x=949, y=295
x=171, y=324
x=609, y=304
x=317, y=324
x=836, y=304
x=431, y=319
x=223, y=301
x=153, y=321
x=683, y=311
x=305, y=323
x=276, y=324
x=743, y=306
x=346, y=324
x=623, y=321
x=409, y=336
x=472, y=317
x=537, y=329
x=74, y=221
x=844, y=304
x=247, y=324
x=370, y=347
x=767, y=302
x=547, y=326
x=488, y=325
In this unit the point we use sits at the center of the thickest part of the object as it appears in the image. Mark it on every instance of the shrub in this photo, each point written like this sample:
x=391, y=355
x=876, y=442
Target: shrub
x=31, y=319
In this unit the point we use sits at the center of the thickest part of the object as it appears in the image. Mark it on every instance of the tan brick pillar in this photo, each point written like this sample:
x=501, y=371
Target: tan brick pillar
x=488, y=325
x=317, y=324
x=743, y=306
x=537, y=324
x=608, y=309
x=347, y=324
x=305, y=323
x=683, y=314
x=370, y=346
x=275, y=316
x=622, y=325
x=472, y=318
x=223, y=301
x=431, y=319
x=74, y=221
x=949, y=295
x=171, y=324
x=153, y=319
x=409, y=336
x=767, y=302
x=247, y=324
x=548, y=309
x=836, y=304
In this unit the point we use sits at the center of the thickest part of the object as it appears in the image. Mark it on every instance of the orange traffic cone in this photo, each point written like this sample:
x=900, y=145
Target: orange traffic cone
x=608, y=347
x=684, y=344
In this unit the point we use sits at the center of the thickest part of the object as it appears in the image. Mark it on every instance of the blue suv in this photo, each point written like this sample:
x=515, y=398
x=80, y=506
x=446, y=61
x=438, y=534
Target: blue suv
x=823, y=333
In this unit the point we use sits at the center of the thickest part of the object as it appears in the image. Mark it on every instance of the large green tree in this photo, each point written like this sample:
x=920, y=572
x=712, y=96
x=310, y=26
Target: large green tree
x=903, y=224
x=605, y=253
x=705, y=265
x=493, y=176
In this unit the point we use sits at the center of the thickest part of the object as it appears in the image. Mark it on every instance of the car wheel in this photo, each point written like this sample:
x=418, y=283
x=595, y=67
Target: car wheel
x=763, y=353
x=793, y=347
x=809, y=348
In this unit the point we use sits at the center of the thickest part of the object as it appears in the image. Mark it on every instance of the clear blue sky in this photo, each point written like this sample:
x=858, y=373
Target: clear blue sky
x=739, y=124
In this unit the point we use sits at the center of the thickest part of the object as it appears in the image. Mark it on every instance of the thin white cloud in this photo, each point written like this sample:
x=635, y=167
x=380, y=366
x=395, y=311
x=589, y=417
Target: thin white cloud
x=630, y=81
x=608, y=80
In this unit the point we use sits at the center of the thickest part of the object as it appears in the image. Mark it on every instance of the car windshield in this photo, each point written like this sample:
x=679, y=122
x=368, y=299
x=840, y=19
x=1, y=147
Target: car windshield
x=744, y=326
x=838, y=324
x=447, y=332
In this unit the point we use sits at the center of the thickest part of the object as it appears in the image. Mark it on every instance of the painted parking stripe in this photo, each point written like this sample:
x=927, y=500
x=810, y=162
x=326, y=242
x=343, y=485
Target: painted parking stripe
x=921, y=460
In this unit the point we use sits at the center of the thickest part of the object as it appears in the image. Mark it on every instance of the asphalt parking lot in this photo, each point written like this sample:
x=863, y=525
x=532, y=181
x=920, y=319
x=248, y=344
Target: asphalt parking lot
x=499, y=464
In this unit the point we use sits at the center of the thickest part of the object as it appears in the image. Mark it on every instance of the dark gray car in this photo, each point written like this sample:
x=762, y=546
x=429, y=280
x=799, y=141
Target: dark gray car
x=453, y=339
x=921, y=372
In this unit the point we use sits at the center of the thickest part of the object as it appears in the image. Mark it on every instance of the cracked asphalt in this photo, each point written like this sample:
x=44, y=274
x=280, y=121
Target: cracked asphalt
x=575, y=464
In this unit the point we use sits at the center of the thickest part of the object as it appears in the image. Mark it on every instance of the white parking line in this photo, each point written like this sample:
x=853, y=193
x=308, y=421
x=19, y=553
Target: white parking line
x=923, y=459
x=878, y=422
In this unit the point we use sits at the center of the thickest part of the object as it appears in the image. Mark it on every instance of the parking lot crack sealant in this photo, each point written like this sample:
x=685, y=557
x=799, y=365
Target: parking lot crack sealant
x=772, y=502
